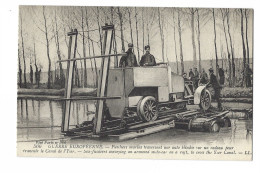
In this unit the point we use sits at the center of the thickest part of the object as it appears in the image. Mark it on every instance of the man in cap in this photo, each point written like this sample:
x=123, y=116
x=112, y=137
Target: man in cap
x=203, y=77
x=196, y=78
x=216, y=86
x=128, y=60
x=147, y=59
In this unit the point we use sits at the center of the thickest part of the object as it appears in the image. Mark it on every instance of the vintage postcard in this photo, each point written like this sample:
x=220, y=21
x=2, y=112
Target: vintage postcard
x=135, y=82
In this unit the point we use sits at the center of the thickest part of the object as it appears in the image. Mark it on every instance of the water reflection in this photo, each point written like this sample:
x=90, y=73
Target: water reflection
x=42, y=120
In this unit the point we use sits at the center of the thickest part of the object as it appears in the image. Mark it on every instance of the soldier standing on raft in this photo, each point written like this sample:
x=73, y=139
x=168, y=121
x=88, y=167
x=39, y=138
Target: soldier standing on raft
x=216, y=86
x=128, y=60
x=147, y=59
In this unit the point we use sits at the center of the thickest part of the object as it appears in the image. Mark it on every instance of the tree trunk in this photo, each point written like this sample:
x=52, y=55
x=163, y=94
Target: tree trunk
x=143, y=27
x=62, y=77
x=232, y=51
x=24, y=63
x=136, y=26
x=215, y=41
x=114, y=41
x=228, y=52
x=84, y=73
x=180, y=43
x=130, y=24
x=20, y=69
x=48, y=49
x=244, y=48
x=89, y=46
x=99, y=30
x=247, y=47
x=161, y=33
x=193, y=38
x=198, y=38
x=121, y=28
x=174, y=37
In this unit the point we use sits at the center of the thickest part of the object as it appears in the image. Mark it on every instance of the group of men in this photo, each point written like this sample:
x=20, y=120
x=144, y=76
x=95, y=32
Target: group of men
x=129, y=60
x=204, y=80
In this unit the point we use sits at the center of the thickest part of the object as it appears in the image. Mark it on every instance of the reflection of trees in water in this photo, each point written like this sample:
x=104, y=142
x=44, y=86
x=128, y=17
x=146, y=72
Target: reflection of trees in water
x=33, y=108
x=39, y=112
x=77, y=112
x=27, y=118
x=21, y=111
x=51, y=117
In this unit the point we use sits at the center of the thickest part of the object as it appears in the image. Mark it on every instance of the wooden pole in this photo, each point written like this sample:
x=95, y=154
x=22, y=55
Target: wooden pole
x=68, y=91
x=102, y=85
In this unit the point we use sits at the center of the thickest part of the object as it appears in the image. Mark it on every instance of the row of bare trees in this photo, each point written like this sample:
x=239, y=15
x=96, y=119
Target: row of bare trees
x=140, y=26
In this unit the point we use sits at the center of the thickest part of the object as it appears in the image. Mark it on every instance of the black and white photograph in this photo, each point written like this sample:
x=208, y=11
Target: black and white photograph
x=135, y=82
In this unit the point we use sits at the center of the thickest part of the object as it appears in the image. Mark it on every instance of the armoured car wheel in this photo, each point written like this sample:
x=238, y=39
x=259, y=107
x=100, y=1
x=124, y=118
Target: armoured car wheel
x=147, y=108
x=205, y=100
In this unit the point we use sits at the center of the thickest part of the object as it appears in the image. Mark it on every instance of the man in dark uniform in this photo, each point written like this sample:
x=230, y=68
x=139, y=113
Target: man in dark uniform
x=147, y=59
x=216, y=86
x=203, y=77
x=191, y=74
x=196, y=78
x=128, y=60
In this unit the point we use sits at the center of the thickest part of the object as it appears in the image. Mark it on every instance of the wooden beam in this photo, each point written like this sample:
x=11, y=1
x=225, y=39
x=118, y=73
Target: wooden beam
x=101, y=92
x=68, y=91
x=92, y=57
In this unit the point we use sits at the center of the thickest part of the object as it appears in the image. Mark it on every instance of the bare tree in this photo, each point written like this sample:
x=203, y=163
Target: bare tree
x=198, y=38
x=57, y=41
x=136, y=26
x=47, y=46
x=192, y=12
x=143, y=27
x=228, y=52
x=19, y=68
x=130, y=24
x=231, y=49
x=99, y=30
x=215, y=40
x=180, y=42
x=243, y=44
x=247, y=47
x=161, y=32
x=174, y=37
x=24, y=67
x=35, y=63
x=121, y=28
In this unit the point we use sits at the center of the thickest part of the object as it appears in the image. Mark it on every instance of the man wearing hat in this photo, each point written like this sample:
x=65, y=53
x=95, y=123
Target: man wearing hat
x=147, y=59
x=196, y=78
x=128, y=60
x=216, y=86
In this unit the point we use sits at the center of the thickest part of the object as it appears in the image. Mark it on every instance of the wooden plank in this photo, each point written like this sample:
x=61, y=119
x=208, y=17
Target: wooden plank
x=66, y=118
x=103, y=82
x=88, y=98
x=92, y=57
x=142, y=132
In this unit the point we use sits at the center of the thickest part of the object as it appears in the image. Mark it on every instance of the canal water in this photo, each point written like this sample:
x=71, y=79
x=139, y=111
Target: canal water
x=41, y=120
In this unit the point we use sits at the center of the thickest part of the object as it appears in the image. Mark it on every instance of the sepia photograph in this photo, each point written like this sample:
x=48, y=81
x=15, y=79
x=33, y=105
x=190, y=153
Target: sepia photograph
x=135, y=82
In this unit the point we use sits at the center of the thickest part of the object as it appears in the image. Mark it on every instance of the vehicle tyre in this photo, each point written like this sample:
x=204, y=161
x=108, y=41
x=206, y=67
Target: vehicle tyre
x=214, y=127
x=147, y=108
x=205, y=100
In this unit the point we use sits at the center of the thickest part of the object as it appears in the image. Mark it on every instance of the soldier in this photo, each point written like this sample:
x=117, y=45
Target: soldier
x=196, y=78
x=203, y=77
x=191, y=74
x=216, y=86
x=128, y=60
x=147, y=59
